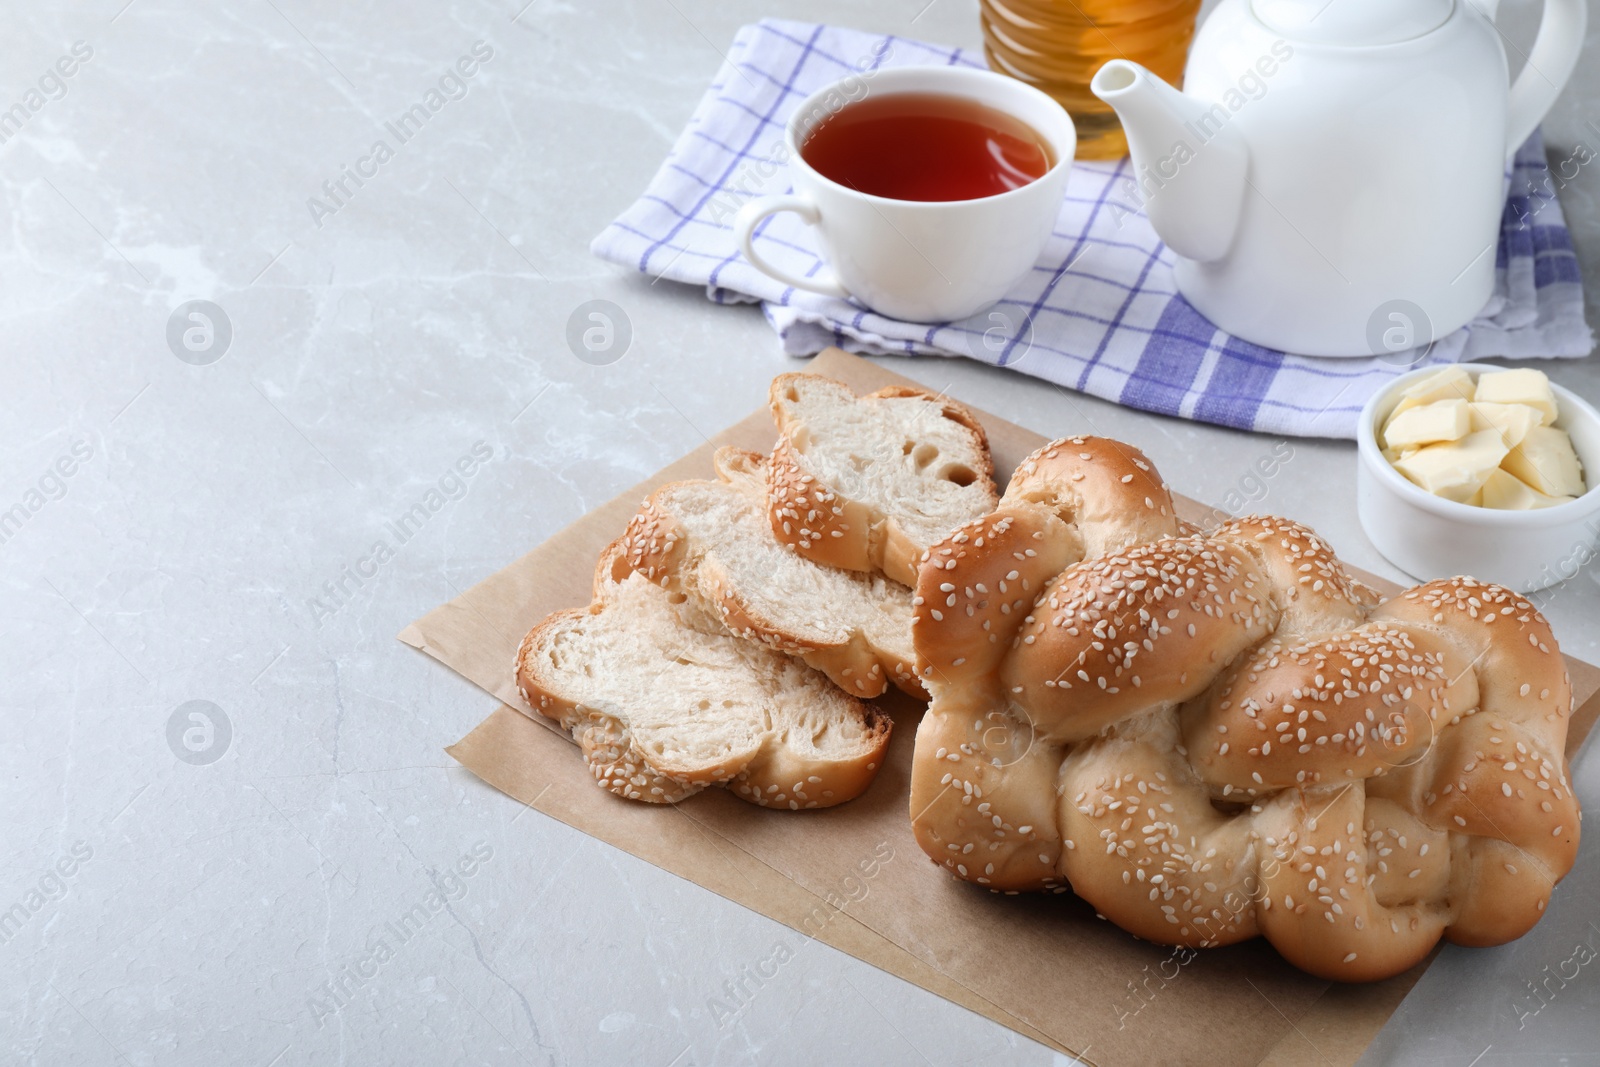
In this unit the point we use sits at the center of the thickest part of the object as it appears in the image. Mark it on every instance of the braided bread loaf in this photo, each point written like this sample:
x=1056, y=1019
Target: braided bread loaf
x=1215, y=737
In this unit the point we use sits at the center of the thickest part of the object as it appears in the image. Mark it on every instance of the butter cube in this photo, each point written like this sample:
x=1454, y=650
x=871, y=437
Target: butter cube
x=1525, y=386
x=1512, y=420
x=1442, y=420
x=1506, y=492
x=1546, y=461
x=1452, y=383
x=1458, y=469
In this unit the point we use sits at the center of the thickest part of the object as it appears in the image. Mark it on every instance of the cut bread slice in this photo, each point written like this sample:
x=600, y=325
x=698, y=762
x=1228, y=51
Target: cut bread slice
x=710, y=541
x=664, y=703
x=870, y=483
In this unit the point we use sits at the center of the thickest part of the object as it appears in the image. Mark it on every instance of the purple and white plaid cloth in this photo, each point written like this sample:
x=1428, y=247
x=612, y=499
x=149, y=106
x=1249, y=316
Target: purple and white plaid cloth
x=1099, y=313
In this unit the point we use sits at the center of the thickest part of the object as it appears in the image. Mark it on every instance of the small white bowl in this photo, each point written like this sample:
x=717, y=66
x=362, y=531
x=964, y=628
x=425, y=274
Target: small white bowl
x=1429, y=537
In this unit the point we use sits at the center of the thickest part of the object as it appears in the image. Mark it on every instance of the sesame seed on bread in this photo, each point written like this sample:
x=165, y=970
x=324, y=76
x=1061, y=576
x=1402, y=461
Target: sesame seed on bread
x=1213, y=736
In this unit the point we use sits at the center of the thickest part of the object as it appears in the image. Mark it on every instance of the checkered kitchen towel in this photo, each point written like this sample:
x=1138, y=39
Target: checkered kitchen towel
x=1099, y=313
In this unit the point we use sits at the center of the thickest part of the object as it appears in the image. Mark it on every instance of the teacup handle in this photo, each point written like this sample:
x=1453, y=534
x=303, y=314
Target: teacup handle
x=744, y=227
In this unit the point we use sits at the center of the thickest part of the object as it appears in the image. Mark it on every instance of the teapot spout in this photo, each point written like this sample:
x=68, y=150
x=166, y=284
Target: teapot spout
x=1189, y=162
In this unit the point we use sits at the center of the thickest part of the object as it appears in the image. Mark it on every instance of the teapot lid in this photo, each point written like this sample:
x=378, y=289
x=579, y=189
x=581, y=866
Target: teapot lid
x=1353, y=22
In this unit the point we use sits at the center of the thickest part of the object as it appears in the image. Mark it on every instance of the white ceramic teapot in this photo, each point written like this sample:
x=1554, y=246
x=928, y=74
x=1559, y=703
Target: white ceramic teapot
x=1332, y=177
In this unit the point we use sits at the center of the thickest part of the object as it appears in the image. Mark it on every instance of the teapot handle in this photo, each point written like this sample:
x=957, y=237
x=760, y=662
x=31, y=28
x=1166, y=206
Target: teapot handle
x=1550, y=64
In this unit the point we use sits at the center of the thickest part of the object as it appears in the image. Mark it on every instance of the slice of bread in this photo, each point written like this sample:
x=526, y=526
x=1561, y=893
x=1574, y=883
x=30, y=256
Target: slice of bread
x=710, y=541
x=664, y=703
x=870, y=483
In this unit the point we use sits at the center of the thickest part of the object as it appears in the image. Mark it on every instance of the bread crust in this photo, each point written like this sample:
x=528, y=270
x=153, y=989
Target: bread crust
x=780, y=778
x=853, y=664
x=1113, y=635
x=615, y=761
x=770, y=773
x=975, y=589
x=1221, y=736
x=656, y=546
x=817, y=521
x=1108, y=491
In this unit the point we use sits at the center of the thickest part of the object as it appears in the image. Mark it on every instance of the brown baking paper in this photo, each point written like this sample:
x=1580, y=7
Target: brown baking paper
x=853, y=876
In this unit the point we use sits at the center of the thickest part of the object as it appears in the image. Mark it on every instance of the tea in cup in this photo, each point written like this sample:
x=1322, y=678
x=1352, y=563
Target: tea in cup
x=930, y=197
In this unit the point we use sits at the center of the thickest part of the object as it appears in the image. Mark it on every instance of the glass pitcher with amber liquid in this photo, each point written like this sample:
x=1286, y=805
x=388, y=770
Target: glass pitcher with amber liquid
x=1057, y=45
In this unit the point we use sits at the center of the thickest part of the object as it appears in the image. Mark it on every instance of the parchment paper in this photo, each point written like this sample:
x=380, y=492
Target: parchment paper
x=853, y=876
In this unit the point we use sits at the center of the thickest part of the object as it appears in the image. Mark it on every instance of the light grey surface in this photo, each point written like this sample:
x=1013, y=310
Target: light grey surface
x=369, y=354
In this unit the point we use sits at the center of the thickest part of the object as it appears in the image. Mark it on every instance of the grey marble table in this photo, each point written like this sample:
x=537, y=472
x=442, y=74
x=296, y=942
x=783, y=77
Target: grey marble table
x=301, y=875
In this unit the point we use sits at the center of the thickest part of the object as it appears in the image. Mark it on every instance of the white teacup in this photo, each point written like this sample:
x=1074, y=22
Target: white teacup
x=922, y=261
